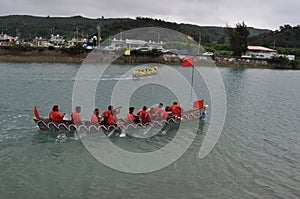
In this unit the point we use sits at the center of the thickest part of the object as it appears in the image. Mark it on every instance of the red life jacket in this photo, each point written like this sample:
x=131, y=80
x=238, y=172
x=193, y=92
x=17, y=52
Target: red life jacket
x=144, y=116
x=130, y=117
x=111, y=120
x=161, y=114
x=106, y=115
x=167, y=116
x=95, y=119
x=56, y=116
x=147, y=117
x=176, y=109
x=76, y=118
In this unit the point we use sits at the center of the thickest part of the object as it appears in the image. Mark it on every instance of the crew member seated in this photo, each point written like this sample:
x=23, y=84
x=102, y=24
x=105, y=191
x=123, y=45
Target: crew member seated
x=55, y=115
x=144, y=115
x=131, y=118
x=75, y=116
x=160, y=113
x=108, y=118
x=176, y=109
x=96, y=118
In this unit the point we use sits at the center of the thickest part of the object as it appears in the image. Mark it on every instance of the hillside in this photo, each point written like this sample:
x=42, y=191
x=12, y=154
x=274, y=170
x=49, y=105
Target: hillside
x=29, y=27
x=286, y=37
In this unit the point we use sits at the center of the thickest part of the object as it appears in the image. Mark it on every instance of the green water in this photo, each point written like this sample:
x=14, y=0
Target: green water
x=257, y=155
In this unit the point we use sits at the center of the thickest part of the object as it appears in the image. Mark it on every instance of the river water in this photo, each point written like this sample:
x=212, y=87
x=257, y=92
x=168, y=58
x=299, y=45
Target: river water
x=256, y=156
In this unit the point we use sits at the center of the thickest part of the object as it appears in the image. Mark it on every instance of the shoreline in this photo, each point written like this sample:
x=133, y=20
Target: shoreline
x=65, y=58
x=41, y=59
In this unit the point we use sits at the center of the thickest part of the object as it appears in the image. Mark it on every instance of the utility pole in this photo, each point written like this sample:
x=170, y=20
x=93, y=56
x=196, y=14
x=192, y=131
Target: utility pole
x=98, y=39
x=99, y=30
x=199, y=44
x=52, y=30
x=76, y=34
x=158, y=37
x=274, y=41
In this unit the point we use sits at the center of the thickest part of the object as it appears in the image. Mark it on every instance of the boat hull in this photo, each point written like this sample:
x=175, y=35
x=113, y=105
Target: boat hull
x=46, y=125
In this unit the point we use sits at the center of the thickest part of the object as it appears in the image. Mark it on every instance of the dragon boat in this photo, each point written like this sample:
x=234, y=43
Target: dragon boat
x=44, y=124
x=144, y=72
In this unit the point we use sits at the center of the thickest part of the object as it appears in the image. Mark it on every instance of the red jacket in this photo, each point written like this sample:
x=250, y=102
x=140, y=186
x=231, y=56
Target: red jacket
x=56, y=116
x=95, y=119
x=161, y=114
x=144, y=116
x=111, y=120
x=130, y=117
x=76, y=118
x=106, y=115
x=176, y=109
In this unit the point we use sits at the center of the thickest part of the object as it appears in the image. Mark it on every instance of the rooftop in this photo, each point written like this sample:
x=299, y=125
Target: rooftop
x=260, y=48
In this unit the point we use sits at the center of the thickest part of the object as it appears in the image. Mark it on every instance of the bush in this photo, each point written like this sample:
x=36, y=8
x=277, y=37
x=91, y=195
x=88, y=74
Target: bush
x=41, y=49
x=74, y=50
x=51, y=48
x=152, y=53
x=280, y=61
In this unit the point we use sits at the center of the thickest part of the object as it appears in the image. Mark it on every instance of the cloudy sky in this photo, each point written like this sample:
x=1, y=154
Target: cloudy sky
x=255, y=13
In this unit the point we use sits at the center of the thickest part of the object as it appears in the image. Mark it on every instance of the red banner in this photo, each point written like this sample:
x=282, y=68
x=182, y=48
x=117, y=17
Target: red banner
x=198, y=104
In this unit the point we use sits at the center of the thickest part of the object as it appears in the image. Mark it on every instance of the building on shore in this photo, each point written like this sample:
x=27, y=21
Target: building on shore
x=131, y=44
x=6, y=40
x=261, y=52
x=41, y=42
x=57, y=40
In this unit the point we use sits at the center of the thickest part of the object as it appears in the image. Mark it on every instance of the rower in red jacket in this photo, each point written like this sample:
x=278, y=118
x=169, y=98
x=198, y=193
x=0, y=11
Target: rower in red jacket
x=131, y=118
x=176, y=109
x=55, y=115
x=144, y=115
x=75, y=116
x=96, y=118
x=160, y=113
x=108, y=118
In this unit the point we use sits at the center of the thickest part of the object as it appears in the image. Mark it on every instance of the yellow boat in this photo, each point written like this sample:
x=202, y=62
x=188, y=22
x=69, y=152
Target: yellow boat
x=144, y=72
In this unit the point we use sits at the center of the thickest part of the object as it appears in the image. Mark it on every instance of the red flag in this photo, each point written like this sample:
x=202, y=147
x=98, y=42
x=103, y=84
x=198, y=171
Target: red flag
x=198, y=104
x=188, y=62
x=36, y=114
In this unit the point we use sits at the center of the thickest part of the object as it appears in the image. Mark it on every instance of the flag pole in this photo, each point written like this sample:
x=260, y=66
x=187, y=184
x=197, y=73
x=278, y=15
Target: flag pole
x=192, y=83
x=189, y=62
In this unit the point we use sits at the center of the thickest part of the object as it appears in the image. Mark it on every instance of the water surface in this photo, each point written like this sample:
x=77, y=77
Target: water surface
x=257, y=155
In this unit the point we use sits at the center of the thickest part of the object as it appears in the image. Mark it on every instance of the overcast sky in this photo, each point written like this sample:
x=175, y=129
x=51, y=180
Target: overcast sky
x=268, y=14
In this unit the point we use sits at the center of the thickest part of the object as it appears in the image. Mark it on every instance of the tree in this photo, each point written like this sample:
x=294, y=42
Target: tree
x=238, y=38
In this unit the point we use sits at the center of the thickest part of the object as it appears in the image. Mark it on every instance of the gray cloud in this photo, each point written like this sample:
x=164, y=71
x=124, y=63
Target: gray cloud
x=255, y=13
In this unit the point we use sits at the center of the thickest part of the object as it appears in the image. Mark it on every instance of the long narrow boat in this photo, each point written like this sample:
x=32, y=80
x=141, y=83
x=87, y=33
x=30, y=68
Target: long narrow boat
x=67, y=126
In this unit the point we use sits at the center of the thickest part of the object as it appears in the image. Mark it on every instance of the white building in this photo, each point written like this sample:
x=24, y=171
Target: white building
x=7, y=40
x=57, y=40
x=41, y=42
x=264, y=53
x=260, y=52
x=130, y=44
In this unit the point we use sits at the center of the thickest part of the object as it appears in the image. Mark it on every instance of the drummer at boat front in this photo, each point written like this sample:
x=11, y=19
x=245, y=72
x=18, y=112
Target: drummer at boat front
x=55, y=115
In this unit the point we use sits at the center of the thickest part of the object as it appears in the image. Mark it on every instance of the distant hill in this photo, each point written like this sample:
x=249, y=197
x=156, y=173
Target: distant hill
x=213, y=34
x=286, y=37
x=29, y=27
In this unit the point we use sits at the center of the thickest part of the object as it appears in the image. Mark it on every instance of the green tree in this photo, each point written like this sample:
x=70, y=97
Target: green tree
x=238, y=38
